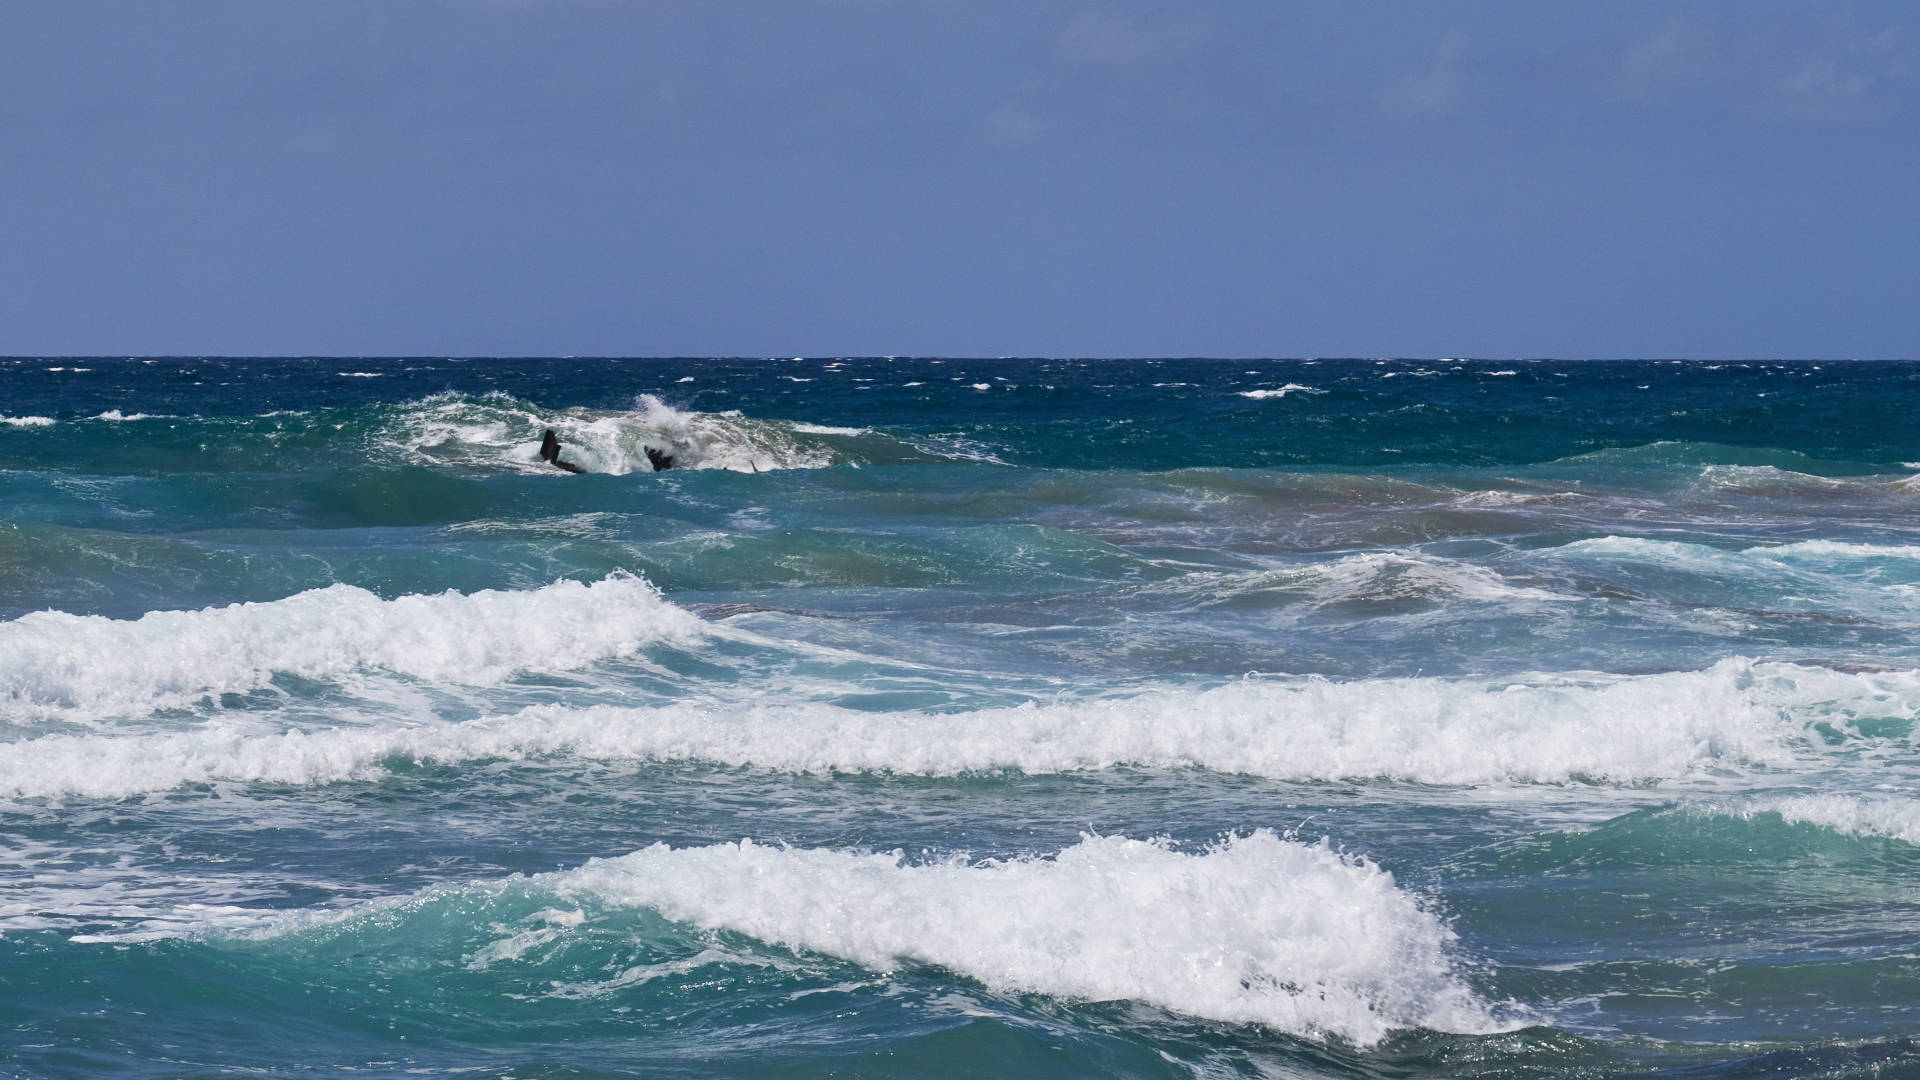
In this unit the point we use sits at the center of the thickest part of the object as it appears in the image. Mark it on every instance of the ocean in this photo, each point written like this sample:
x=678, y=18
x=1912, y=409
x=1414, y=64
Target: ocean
x=954, y=717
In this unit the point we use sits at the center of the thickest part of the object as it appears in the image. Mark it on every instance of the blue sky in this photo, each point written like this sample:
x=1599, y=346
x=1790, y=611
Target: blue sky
x=517, y=177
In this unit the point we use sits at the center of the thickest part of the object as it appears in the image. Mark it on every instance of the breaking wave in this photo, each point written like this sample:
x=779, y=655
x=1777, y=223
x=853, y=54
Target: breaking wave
x=1869, y=577
x=1772, y=482
x=1610, y=730
x=59, y=661
x=1280, y=392
x=1371, y=577
x=1885, y=817
x=497, y=430
x=1255, y=929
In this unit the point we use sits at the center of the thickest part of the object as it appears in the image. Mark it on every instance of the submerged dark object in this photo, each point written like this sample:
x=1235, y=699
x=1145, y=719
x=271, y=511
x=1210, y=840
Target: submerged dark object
x=550, y=453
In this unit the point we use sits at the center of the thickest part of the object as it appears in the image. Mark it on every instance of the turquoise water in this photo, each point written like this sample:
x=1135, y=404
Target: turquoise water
x=1335, y=718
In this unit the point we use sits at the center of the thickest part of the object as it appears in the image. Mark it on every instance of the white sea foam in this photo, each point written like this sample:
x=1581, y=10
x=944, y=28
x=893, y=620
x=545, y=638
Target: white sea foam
x=1290, y=388
x=1256, y=929
x=55, y=660
x=1849, y=815
x=957, y=448
x=1806, y=559
x=824, y=429
x=117, y=415
x=1674, y=553
x=553, y=923
x=119, y=888
x=27, y=421
x=1771, y=481
x=704, y=441
x=1835, y=549
x=641, y=974
x=497, y=430
x=1494, y=499
x=1376, y=572
x=1698, y=725
x=1363, y=577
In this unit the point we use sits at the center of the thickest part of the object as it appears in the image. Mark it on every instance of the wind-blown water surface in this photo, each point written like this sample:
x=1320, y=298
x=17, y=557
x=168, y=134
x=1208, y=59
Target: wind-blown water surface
x=959, y=717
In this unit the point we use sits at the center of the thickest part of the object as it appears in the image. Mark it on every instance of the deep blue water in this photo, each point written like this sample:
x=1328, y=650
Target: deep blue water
x=1335, y=718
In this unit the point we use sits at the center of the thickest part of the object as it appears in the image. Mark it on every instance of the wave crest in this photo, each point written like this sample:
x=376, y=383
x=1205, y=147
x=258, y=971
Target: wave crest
x=1604, y=729
x=59, y=661
x=499, y=431
x=1256, y=929
x=1884, y=817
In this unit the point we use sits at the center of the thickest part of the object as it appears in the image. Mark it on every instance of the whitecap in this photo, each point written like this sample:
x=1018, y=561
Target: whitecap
x=1598, y=729
x=1845, y=814
x=62, y=662
x=497, y=430
x=1254, y=929
x=1283, y=391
